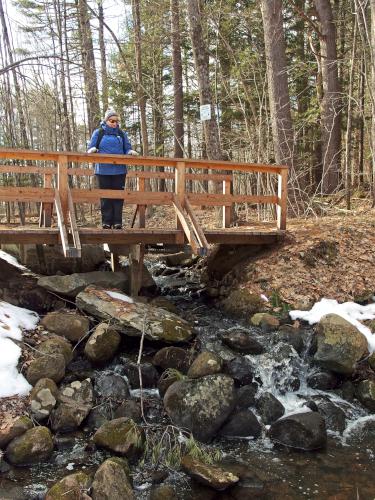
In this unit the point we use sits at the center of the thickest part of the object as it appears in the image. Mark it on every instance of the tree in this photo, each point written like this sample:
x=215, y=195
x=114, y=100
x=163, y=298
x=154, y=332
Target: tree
x=178, y=95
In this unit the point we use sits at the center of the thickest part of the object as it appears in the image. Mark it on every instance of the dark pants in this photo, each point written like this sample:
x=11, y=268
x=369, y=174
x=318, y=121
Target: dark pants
x=111, y=209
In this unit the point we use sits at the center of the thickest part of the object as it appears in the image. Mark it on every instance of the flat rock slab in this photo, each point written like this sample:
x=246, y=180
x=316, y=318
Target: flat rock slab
x=132, y=317
x=209, y=475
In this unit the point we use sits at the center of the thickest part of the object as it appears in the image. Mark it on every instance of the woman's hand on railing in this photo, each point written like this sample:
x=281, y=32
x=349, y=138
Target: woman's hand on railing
x=133, y=153
x=92, y=150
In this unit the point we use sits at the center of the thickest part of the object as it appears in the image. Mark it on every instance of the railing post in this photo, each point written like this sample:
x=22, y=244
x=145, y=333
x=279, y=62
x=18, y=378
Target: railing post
x=227, y=209
x=180, y=178
x=62, y=184
x=141, y=208
x=282, y=201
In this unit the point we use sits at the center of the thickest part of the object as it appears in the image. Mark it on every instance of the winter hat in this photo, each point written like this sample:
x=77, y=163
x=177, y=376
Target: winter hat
x=109, y=113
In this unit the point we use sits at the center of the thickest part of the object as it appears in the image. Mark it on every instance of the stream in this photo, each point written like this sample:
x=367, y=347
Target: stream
x=344, y=470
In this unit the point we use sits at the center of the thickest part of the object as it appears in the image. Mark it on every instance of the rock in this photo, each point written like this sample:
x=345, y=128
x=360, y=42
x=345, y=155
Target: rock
x=168, y=377
x=371, y=361
x=43, y=398
x=305, y=431
x=201, y=405
x=269, y=408
x=175, y=259
x=70, y=325
x=14, y=429
x=240, y=369
x=245, y=396
x=57, y=345
x=207, y=363
x=111, y=385
x=209, y=475
x=48, y=366
x=149, y=373
x=242, y=303
x=97, y=417
x=333, y=415
x=129, y=409
x=32, y=447
x=71, y=284
x=362, y=433
x=224, y=258
x=71, y=487
x=163, y=492
x=129, y=316
x=102, y=344
x=111, y=482
x=242, y=424
x=266, y=321
x=322, y=380
x=290, y=335
x=242, y=341
x=75, y=403
x=340, y=344
x=173, y=357
x=366, y=394
x=164, y=304
x=122, y=436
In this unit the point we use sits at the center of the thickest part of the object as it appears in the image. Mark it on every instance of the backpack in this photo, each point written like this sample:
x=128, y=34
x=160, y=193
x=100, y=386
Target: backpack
x=101, y=134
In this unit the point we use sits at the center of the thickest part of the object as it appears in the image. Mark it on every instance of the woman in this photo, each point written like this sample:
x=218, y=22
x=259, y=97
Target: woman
x=110, y=139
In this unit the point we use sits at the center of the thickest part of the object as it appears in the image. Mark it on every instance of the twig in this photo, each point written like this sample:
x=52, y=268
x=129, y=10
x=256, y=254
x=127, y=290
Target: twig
x=140, y=368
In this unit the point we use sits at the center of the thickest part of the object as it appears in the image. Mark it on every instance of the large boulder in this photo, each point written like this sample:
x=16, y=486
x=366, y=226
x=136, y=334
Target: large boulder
x=75, y=402
x=111, y=481
x=32, y=447
x=133, y=317
x=71, y=284
x=122, y=436
x=209, y=475
x=72, y=487
x=366, y=394
x=47, y=366
x=340, y=344
x=68, y=324
x=55, y=261
x=201, y=405
x=243, y=303
x=13, y=429
x=305, y=431
x=102, y=344
x=43, y=398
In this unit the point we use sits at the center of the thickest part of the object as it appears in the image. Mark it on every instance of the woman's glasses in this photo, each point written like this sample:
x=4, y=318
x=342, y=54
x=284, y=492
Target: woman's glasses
x=114, y=121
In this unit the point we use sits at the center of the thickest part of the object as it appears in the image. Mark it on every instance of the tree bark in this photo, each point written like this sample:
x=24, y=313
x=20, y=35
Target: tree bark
x=88, y=61
x=331, y=108
x=282, y=127
x=142, y=98
x=178, y=96
x=200, y=52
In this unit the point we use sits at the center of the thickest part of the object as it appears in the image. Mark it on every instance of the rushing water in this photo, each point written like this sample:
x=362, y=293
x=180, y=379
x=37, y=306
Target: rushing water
x=344, y=470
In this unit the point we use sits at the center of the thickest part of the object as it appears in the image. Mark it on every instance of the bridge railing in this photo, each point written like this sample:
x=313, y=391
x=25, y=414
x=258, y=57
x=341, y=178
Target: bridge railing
x=59, y=168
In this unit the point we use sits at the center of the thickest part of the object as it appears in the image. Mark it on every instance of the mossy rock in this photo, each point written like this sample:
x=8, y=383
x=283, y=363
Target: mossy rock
x=18, y=427
x=243, y=303
x=34, y=446
x=121, y=435
x=43, y=398
x=68, y=324
x=70, y=487
x=206, y=363
x=102, y=344
x=111, y=481
x=57, y=345
x=366, y=394
x=47, y=366
x=266, y=321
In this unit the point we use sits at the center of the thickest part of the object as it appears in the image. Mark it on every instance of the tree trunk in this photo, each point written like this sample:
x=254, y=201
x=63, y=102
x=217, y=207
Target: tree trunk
x=142, y=98
x=88, y=61
x=282, y=127
x=103, y=59
x=372, y=93
x=178, y=96
x=332, y=102
x=200, y=52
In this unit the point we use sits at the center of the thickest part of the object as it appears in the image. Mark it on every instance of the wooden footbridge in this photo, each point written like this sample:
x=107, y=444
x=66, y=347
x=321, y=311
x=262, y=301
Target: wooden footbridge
x=58, y=182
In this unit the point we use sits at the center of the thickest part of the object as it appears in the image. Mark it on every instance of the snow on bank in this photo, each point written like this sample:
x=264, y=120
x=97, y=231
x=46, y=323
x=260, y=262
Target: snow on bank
x=352, y=312
x=12, y=320
x=11, y=260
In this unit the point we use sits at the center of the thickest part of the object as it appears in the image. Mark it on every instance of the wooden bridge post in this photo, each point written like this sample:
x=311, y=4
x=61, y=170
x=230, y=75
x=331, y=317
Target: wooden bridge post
x=282, y=201
x=180, y=178
x=62, y=184
x=227, y=209
x=45, y=217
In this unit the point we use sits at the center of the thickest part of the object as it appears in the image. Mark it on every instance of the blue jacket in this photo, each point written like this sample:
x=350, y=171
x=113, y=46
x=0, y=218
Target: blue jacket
x=111, y=143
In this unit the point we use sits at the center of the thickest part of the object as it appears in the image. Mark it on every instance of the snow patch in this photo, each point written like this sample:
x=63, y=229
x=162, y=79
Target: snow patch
x=11, y=260
x=350, y=311
x=120, y=296
x=12, y=320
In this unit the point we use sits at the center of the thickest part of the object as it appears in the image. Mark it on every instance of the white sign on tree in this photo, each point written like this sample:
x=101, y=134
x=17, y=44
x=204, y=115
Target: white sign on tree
x=205, y=112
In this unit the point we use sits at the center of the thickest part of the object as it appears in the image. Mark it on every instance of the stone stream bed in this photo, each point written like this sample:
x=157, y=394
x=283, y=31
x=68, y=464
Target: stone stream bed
x=343, y=469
